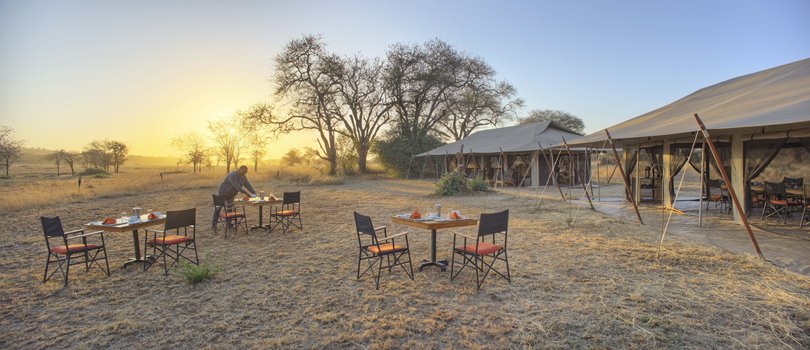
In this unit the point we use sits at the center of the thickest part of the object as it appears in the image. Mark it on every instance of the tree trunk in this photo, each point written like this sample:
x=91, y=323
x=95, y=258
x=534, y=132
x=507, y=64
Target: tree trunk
x=7, y=166
x=58, y=171
x=72, y=172
x=256, y=162
x=362, y=155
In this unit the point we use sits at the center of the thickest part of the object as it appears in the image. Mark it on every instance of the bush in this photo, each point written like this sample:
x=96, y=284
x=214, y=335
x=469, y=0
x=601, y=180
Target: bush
x=197, y=273
x=93, y=171
x=478, y=184
x=394, y=151
x=450, y=184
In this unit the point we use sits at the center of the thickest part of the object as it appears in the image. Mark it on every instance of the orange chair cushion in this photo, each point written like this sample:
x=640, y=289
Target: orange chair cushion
x=230, y=215
x=73, y=248
x=169, y=240
x=384, y=248
x=778, y=202
x=286, y=213
x=717, y=197
x=484, y=248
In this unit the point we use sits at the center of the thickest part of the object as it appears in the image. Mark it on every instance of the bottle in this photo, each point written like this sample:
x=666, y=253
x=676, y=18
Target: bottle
x=438, y=210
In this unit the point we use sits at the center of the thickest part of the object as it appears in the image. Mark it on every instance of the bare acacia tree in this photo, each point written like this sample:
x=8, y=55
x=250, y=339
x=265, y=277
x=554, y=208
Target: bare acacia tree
x=193, y=148
x=62, y=156
x=480, y=101
x=228, y=139
x=10, y=149
x=304, y=80
x=363, y=99
x=257, y=137
x=118, y=152
x=418, y=79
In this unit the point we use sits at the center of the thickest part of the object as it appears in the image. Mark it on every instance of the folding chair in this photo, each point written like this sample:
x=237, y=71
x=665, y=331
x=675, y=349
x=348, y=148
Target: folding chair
x=228, y=215
x=793, y=183
x=475, y=250
x=176, y=243
x=717, y=195
x=286, y=214
x=64, y=254
x=375, y=249
x=776, y=202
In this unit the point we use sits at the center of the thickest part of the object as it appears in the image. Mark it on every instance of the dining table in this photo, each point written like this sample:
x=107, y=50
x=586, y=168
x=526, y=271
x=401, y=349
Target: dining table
x=259, y=202
x=434, y=224
x=124, y=225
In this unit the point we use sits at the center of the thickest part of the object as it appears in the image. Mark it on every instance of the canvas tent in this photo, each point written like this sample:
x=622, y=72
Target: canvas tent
x=513, y=145
x=741, y=114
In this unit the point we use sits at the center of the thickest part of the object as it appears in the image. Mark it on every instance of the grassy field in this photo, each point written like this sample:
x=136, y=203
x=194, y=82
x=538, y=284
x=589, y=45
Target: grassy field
x=596, y=284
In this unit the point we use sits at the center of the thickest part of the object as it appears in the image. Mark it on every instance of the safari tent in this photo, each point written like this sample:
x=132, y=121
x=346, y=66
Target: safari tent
x=518, y=155
x=748, y=119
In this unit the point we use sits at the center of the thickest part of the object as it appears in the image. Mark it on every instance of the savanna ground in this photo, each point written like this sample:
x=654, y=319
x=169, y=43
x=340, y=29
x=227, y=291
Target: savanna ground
x=596, y=284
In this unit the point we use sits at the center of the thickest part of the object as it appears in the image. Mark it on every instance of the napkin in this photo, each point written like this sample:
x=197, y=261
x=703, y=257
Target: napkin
x=151, y=216
x=109, y=221
x=415, y=215
x=245, y=198
x=454, y=215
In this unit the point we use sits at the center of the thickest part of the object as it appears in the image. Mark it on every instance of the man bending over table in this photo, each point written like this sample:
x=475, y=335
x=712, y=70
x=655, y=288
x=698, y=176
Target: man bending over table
x=233, y=183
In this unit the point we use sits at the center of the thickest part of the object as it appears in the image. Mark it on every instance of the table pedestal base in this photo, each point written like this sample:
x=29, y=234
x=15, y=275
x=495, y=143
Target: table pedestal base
x=147, y=258
x=442, y=264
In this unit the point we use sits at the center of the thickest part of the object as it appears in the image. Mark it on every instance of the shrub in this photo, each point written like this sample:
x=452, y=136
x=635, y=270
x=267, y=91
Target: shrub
x=197, y=273
x=450, y=184
x=93, y=171
x=394, y=151
x=478, y=184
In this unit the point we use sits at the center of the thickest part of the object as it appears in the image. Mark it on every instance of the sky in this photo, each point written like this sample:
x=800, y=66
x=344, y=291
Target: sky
x=145, y=71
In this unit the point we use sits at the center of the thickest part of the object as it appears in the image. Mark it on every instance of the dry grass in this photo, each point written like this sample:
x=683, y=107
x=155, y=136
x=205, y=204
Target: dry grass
x=35, y=188
x=594, y=285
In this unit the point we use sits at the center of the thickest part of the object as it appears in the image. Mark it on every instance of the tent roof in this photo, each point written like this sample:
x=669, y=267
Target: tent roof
x=777, y=98
x=518, y=138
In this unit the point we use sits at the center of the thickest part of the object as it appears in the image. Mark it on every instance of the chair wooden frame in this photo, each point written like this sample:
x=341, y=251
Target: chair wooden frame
x=287, y=212
x=162, y=241
x=376, y=249
x=63, y=255
x=228, y=215
x=490, y=225
x=776, y=201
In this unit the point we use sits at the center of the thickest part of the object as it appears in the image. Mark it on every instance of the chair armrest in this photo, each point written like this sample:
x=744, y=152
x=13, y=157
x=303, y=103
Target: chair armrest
x=74, y=231
x=394, y=236
x=380, y=228
x=153, y=230
x=84, y=235
x=463, y=235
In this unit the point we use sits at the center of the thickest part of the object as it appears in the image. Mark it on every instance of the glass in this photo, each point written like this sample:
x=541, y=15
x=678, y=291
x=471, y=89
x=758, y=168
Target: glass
x=124, y=217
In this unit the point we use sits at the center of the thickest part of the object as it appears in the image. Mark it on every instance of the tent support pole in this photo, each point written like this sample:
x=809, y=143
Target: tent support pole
x=611, y=173
x=624, y=176
x=702, y=181
x=576, y=173
x=408, y=174
x=553, y=164
x=598, y=181
x=731, y=191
